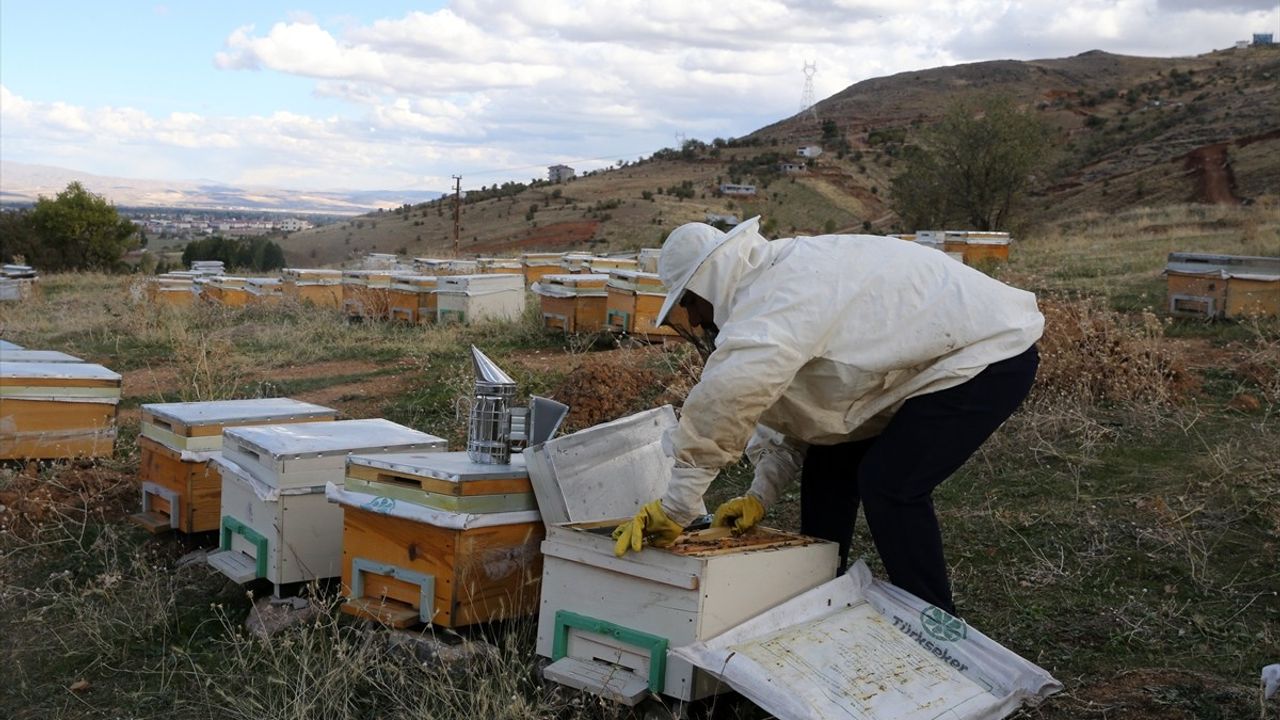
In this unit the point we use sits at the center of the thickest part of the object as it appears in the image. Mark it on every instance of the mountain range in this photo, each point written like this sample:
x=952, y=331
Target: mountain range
x=21, y=184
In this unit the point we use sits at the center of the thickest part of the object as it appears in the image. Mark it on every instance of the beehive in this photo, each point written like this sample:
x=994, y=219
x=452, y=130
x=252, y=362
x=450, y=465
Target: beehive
x=607, y=622
x=366, y=294
x=264, y=291
x=464, y=267
x=1229, y=286
x=538, y=265
x=36, y=356
x=985, y=247
x=412, y=299
x=606, y=265
x=177, y=440
x=634, y=300
x=431, y=266
x=470, y=299
x=320, y=287
x=437, y=538
x=275, y=521
x=229, y=291
x=489, y=266
x=574, y=263
x=175, y=289
x=573, y=303
x=51, y=410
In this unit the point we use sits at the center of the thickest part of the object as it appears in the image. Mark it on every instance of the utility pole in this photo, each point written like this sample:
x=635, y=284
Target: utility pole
x=457, y=210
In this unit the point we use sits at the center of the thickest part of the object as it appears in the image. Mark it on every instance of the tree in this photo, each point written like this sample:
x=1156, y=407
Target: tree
x=972, y=167
x=77, y=230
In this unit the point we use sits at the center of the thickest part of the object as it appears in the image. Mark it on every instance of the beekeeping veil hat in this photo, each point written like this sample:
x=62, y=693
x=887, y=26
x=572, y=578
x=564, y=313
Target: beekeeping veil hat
x=686, y=249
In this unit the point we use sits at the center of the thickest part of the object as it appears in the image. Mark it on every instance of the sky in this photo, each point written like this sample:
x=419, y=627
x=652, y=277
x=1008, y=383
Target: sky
x=377, y=94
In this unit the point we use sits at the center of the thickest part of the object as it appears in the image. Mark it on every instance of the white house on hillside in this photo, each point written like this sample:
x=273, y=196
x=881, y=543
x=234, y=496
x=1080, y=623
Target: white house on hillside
x=560, y=173
x=732, y=189
x=809, y=151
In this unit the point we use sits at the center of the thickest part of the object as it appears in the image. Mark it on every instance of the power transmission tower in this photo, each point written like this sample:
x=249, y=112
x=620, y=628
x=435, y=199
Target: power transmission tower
x=457, y=209
x=806, y=95
x=680, y=138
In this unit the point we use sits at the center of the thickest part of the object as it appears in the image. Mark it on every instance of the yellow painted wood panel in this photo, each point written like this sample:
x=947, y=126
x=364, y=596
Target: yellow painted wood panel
x=1252, y=298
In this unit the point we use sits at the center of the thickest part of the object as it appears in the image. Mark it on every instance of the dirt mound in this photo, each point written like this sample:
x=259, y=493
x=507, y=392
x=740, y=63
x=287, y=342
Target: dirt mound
x=32, y=496
x=597, y=393
x=1215, y=180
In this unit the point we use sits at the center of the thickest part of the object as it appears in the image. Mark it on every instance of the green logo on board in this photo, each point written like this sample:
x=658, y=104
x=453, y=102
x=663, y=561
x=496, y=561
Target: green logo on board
x=942, y=625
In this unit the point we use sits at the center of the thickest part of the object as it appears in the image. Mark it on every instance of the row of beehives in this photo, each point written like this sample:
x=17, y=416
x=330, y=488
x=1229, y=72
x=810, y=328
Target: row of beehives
x=418, y=534
x=1223, y=286
x=54, y=405
x=625, y=301
x=972, y=247
x=18, y=282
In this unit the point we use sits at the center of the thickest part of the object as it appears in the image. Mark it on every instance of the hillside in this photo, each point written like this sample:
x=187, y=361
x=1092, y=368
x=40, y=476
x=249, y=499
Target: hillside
x=1129, y=132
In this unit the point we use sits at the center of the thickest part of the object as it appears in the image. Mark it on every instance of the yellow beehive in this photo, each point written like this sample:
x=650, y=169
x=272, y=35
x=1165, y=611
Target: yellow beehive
x=605, y=265
x=634, y=300
x=573, y=303
x=180, y=490
x=981, y=247
x=320, y=287
x=538, y=265
x=366, y=294
x=51, y=410
x=412, y=299
x=1229, y=286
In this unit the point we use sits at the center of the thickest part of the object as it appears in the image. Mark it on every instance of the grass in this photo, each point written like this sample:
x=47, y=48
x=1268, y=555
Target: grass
x=1120, y=530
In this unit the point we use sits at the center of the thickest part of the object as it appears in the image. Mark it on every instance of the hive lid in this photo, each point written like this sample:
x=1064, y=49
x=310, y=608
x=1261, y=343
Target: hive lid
x=451, y=466
x=57, y=371
x=220, y=412
x=604, y=472
x=38, y=356
x=332, y=438
x=494, y=282
x=6, y=345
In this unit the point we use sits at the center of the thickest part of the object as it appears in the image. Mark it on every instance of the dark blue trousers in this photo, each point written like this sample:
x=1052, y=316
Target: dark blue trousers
x=892, y=475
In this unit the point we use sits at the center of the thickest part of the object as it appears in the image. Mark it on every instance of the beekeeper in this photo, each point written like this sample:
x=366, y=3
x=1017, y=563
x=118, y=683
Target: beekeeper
x=867, y=367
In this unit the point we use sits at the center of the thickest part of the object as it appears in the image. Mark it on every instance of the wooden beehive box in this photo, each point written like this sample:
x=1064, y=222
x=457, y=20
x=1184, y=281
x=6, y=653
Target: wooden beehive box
x=470, y=299
x=573, y=303
x=320, y=287
x=52, y=410
x=276, y=523
x=1227, y=286
x=574, y=263
x=538, y=265
x=635, y=298
x=366, y=294
x=264, y=291
x=410, y=297
x=986, y=247
x=605, y=265
x=230, y=291
x=439, y=539
x=607, y=622
x=463, y=267
x=955, y=240
x=180, y=490
x=434, y=267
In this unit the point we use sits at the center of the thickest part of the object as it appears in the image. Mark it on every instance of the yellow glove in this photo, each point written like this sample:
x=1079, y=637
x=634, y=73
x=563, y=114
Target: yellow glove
x=740, y=513
x=651, y=524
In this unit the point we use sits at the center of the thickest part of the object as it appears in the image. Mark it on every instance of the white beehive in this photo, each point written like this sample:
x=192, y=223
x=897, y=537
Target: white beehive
x=474, y=298
x=276, y=523
x=607, y=622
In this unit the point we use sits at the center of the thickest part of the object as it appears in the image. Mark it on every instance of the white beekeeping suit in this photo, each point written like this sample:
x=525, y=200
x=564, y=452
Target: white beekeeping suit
x=821, y=339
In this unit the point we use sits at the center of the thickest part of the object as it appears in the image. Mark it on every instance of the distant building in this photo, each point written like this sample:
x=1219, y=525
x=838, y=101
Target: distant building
x=739, y=190
x=560, y=173
x=292, y=225
x=792, y=167
x=1242, y=44
x=809, y=151
x=1264, y=39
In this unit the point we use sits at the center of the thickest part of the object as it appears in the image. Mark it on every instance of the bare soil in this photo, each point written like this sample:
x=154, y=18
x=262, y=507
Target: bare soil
x=1215, y=180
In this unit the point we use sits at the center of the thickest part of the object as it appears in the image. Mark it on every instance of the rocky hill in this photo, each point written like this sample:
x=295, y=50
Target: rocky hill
x=1129, y=131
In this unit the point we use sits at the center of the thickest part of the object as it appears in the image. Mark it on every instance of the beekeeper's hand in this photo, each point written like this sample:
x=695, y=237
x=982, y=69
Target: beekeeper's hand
x=741, y=513
x=650, y=524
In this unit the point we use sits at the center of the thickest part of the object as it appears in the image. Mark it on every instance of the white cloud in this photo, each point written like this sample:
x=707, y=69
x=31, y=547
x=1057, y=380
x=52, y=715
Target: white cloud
x=486, y=84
